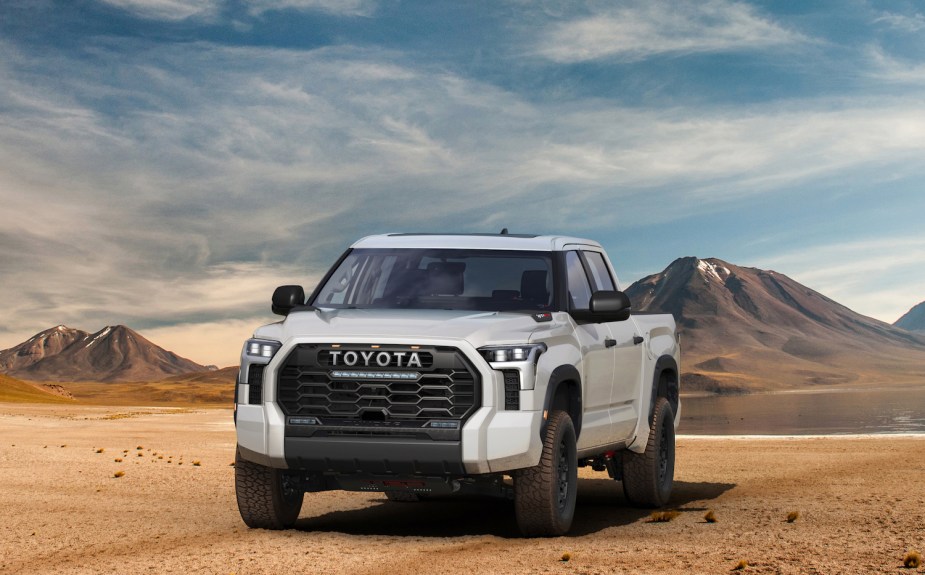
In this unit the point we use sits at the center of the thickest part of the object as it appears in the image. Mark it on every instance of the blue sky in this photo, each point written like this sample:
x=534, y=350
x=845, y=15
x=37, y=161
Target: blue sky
x=167, y=163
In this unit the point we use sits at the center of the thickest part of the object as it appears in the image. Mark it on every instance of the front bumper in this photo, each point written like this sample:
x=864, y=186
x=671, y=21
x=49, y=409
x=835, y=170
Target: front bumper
x=491, y=440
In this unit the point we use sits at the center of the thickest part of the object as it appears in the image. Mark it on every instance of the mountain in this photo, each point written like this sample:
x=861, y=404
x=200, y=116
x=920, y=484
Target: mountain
x=748, y=329
x=115, y=353
x=914, y=319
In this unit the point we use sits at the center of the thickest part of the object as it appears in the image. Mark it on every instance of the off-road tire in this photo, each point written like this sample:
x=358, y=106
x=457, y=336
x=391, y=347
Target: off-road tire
x=267, y=497
x=649, y=476
x=403, y=496
x=545, y=495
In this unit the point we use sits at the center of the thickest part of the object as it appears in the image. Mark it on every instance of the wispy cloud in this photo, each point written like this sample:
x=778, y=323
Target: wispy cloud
x=338, y=7
x=912, y=24
x=640, y=30
x=171, y=10
x=177, y=10
x=885, y=68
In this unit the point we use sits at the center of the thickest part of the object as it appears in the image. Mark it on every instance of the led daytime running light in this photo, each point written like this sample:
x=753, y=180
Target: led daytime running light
x=512, y=353
x=261, y=348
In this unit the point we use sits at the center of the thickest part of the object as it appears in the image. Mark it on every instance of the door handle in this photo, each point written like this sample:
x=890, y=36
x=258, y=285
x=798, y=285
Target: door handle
x=637, y=339
x=610, y=342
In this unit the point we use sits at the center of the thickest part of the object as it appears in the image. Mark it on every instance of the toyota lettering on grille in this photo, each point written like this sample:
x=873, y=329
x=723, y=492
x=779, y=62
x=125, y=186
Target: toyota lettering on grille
x=375, y=358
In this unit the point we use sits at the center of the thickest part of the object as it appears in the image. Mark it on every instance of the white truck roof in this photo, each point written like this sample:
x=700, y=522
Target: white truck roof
x=522, y=242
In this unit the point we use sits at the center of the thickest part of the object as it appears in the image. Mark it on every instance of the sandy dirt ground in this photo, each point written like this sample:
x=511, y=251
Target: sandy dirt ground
x=62, y=509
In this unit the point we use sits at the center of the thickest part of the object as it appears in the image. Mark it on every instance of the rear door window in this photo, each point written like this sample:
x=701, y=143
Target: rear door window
x=599, y=271
x=579, y=289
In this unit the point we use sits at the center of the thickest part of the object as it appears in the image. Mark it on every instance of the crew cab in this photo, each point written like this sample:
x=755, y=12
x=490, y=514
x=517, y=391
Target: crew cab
x=427, y=365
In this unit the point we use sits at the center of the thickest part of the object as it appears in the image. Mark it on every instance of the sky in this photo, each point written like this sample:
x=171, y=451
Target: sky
x=164, y=164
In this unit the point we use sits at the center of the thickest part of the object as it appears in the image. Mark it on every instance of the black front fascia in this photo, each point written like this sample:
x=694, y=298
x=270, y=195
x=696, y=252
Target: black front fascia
x=363, y=456
x=320, y=396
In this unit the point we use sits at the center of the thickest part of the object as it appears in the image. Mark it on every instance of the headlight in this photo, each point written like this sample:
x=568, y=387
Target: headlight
x=261, y=348
x=512, y=353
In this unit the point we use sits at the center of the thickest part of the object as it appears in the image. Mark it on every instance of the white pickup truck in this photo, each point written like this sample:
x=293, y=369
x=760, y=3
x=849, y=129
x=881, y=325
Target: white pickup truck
x=426, y=365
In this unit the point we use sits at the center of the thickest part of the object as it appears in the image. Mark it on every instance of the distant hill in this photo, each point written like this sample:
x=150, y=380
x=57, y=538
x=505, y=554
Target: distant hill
x=914, y=319
x=15, y=391
x=225, y=375
x=751, y=329
x=115, y=353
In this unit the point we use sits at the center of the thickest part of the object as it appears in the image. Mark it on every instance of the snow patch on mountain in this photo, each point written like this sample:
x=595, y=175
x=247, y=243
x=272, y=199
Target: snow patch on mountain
x=710, y=270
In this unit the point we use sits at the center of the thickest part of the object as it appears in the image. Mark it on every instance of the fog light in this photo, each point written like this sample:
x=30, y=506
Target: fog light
x=304, y=421
x=445, y=424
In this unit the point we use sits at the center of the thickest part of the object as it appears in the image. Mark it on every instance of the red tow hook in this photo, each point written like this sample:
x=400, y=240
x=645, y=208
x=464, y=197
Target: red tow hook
x=613, y=470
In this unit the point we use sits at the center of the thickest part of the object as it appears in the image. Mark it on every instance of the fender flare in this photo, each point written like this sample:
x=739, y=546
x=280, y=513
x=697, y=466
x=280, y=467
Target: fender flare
x=663, y=364
x=559, y=375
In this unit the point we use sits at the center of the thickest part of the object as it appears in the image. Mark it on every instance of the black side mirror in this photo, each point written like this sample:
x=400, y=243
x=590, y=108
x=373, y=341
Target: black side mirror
x=287, y=297
x=607, y=306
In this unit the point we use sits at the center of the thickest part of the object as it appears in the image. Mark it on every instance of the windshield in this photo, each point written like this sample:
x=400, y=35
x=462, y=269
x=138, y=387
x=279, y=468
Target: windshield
x=483, y=280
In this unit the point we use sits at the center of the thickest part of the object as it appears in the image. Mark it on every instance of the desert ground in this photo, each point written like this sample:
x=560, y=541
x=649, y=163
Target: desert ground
x=860, y=501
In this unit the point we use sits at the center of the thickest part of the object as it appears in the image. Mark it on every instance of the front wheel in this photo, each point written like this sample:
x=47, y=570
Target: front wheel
x=545, y=495
x=648, y=477
x=268, y=498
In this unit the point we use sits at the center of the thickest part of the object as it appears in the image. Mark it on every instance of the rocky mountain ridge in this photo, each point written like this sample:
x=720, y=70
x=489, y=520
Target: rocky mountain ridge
x=750, y=329
x=114, y=353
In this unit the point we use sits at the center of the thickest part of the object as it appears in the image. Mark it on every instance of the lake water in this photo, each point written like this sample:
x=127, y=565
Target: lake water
x=830, y=412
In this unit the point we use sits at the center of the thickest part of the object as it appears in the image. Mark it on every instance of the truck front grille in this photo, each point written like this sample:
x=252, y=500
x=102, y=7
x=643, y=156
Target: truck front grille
x=377, y=384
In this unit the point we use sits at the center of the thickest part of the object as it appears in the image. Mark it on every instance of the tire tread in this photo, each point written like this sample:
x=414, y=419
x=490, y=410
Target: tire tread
x=534, y=487
x=260, y=499
x=640, y=470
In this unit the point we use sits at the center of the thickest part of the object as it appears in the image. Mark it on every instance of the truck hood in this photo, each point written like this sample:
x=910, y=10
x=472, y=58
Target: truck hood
x=478, y=328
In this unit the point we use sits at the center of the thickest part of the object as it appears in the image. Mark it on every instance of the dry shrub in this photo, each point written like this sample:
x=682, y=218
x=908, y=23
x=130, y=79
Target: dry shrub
x=118, y=460
x=912, y=559
x=710, y=517
x=100, y=450
x=141, y=455
x=566, y=556
x=160, y=457
x=118, y=474
x=793, y=516
x=140, y=447
x=196, y=463
x=663, y=516
x=741, y=565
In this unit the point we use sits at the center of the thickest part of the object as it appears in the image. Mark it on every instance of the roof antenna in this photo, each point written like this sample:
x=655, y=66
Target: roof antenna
x=504, y=231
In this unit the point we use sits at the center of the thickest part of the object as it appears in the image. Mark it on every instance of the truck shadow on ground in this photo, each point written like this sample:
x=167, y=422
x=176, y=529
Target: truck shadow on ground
x=600, y=505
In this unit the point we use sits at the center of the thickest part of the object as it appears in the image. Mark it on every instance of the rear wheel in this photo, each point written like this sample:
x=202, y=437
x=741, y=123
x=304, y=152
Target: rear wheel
x=545, y=495
x=648, y=477
x=268, y=498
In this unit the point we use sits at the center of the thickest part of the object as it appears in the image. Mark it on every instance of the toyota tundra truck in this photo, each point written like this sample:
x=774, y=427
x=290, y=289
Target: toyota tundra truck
x=427, y=365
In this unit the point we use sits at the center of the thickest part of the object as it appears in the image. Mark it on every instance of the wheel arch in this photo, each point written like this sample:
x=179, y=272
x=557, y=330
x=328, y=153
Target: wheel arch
x=665, y=383
x=564, y=392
